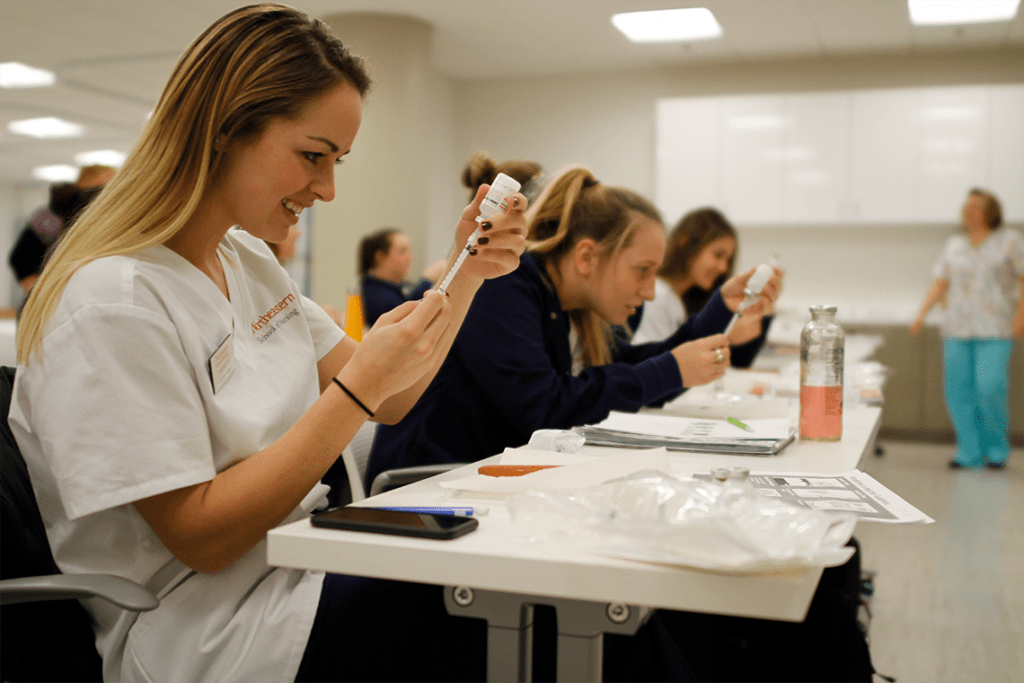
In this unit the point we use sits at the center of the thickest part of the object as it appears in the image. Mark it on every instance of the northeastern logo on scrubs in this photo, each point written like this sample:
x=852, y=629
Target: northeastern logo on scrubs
x=266, y=323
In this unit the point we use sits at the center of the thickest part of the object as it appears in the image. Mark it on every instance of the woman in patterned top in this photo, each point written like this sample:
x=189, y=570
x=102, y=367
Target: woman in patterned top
x=981, y=276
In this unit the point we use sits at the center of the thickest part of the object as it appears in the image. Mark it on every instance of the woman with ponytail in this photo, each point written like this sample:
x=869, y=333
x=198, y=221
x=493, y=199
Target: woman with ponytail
x=537, y=351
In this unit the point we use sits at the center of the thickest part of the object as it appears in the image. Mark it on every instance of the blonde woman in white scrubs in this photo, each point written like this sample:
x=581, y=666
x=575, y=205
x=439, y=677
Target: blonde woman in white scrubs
x=177, y=397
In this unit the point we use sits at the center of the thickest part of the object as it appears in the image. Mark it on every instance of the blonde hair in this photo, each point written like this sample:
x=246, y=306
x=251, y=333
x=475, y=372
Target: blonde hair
x=254, y=65
x=573, y=207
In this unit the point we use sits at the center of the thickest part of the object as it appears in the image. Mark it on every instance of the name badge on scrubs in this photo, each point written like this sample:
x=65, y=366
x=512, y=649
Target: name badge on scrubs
x=222, y=364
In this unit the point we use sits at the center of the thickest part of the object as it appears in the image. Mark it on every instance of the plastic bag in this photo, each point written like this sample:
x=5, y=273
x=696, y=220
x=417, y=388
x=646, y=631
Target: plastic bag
x=654, y=517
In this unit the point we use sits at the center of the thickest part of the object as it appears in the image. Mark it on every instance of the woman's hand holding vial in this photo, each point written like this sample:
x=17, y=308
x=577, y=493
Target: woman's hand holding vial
x=734, y=293
x=502, y=239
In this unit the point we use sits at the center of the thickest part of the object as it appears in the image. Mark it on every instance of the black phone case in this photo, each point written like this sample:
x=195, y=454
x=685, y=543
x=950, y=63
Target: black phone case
x=439, y=527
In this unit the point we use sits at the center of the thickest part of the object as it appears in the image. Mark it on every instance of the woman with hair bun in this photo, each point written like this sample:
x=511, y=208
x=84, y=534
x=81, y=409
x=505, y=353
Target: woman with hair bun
x=483, y=169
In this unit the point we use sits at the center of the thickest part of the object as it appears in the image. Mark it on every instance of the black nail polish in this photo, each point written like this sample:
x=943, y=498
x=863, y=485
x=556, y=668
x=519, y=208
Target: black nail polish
x=515, y=201
x=483, y=240
x=485, y=226
x=472, y=252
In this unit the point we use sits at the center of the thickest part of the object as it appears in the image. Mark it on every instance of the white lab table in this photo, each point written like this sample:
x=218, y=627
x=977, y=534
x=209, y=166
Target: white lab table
x=492, y=573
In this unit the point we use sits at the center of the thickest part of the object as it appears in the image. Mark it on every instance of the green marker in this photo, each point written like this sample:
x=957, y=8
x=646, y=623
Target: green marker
x=734, y=421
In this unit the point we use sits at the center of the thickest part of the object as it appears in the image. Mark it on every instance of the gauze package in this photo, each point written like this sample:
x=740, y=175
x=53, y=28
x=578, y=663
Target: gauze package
x=653, y=517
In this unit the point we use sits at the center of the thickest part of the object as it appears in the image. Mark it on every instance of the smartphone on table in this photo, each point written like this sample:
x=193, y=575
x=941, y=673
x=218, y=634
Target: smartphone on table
x=396, y=522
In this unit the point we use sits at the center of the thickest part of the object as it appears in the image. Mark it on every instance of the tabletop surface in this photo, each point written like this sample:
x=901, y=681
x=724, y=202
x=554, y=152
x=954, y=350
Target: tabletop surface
x=496, y=557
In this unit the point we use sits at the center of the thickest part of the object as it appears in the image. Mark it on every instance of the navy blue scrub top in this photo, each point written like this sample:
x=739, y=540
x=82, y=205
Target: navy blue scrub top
x=509, y=374
x=380, y=296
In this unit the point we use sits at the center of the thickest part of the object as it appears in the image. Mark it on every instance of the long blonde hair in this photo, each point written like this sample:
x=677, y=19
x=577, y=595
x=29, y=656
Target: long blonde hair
x=573, y=207
x=254, y=65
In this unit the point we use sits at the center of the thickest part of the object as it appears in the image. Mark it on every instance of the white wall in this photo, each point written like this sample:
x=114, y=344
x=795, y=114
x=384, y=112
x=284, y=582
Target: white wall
x=607, y=121
x=400, y=170
x=17, y=203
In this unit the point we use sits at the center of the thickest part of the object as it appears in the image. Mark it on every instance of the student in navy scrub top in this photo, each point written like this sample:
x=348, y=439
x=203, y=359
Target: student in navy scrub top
x=384, y=259
x=536, y=350
x=177, y=397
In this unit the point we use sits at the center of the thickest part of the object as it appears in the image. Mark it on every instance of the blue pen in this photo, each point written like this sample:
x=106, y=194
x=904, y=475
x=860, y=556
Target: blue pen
x=461, y=511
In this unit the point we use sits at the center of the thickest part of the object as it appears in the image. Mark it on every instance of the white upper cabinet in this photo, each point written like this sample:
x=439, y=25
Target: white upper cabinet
x=751, y=134
x=687, y=155
x=815, y=159
x=884, y=156
x=1006, y=144
x=953, y=139
x=868, y=156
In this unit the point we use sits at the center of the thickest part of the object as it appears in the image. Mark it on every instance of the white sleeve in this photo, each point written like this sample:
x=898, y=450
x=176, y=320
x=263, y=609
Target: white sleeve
x=116, y=408
x=941, y=268
x=1016, y=252
x=661, y=317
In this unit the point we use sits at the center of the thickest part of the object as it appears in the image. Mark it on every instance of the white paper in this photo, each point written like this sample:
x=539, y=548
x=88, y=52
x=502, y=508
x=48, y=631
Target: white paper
x=696, y=429
x=852, y=492
x=711, y=409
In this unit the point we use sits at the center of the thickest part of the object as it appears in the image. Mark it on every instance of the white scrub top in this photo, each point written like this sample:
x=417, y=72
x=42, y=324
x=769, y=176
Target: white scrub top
x=120, y=406
x=661, y=317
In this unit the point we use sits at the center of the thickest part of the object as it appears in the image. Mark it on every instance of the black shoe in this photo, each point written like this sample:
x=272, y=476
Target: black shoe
x=996, y=465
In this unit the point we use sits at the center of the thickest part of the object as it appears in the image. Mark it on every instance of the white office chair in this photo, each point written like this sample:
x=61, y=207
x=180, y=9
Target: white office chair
x=356, y=456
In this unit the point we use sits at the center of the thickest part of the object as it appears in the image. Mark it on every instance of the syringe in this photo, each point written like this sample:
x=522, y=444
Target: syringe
x=492, y=204
x=752, y=291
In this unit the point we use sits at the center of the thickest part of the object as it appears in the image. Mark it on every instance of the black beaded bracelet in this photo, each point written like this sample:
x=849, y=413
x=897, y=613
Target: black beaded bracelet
x=352, y=396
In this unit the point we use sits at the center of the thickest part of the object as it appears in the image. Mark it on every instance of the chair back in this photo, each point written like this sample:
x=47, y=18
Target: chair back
x=356, y=457
x=39, y=641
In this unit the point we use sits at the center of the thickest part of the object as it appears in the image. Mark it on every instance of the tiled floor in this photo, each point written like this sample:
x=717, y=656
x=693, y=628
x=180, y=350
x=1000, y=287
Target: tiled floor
x=949, y=596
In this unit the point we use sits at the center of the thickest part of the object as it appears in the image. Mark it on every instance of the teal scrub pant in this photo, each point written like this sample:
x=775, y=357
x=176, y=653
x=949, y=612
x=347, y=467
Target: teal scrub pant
x=977, y=388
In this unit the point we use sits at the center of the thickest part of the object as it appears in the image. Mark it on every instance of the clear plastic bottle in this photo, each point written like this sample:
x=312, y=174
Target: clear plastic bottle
x=822, y=345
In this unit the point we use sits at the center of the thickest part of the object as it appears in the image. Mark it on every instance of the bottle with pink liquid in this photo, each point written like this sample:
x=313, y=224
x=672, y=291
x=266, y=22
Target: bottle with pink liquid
x=822, y=344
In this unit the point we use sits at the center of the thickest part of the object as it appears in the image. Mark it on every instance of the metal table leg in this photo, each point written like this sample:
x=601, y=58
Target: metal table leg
x=581, y=629
x=509, y=629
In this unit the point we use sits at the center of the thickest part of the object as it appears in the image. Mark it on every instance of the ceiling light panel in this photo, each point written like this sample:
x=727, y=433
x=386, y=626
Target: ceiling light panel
x=18, y=75
x=668, y=26
x=56, y=173
x=45, y=128
x=952, y=12
x=104, y=157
